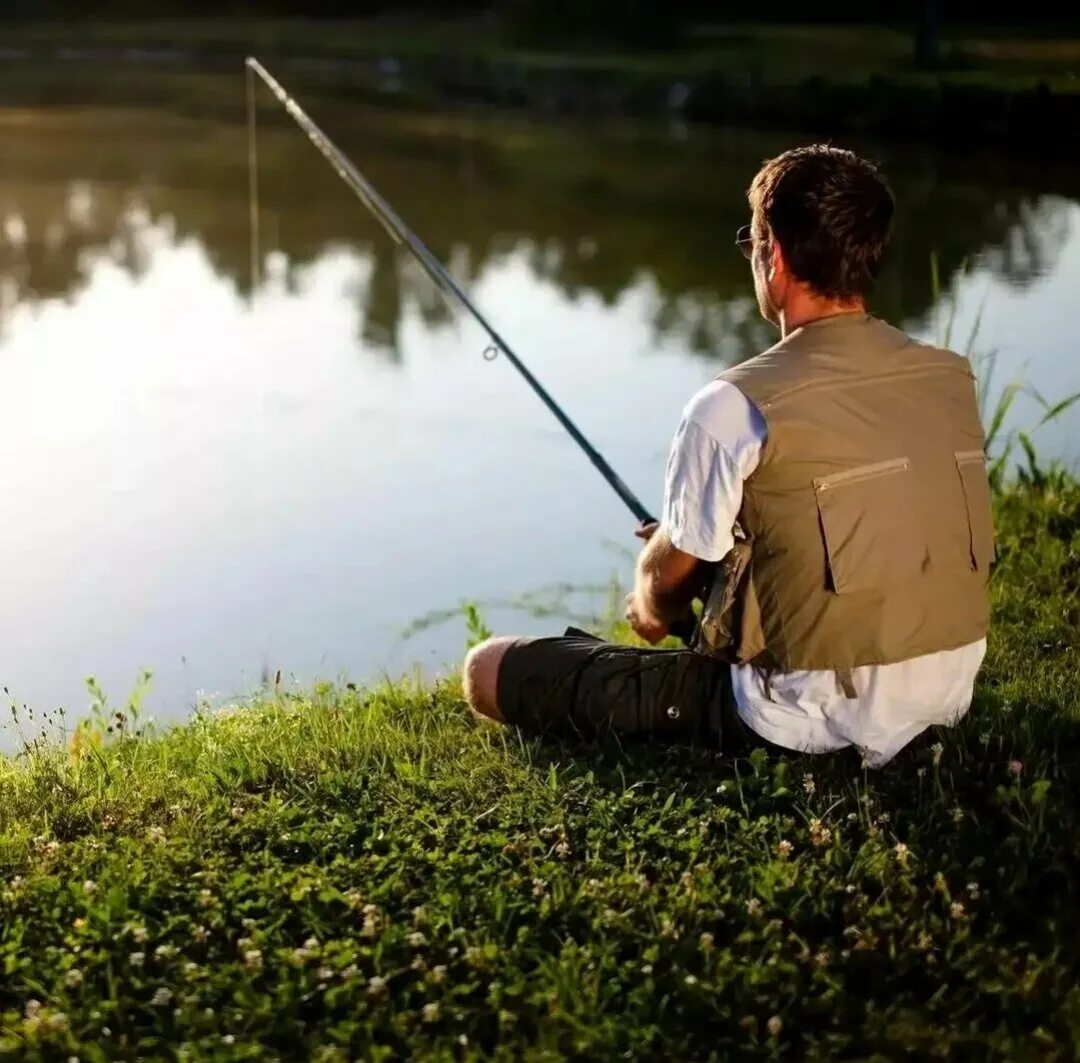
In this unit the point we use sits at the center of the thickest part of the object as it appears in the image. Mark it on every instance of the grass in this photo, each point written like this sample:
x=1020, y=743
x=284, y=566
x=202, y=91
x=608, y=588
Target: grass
x=371, y=874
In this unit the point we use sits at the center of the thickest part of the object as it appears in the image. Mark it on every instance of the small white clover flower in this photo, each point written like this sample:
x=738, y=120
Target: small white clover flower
x=774, y=1026
x=74, y=978
x=162, y=998
x=253, y=960
x=137, y=959
x=431, y=1012
x=784, y=849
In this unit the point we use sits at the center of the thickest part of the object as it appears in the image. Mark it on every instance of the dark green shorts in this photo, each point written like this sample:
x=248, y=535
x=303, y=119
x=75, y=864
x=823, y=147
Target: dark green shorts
x=580, y=685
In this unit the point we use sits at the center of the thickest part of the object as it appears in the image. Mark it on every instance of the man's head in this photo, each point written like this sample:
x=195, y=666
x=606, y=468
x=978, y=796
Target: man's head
x=820, y=223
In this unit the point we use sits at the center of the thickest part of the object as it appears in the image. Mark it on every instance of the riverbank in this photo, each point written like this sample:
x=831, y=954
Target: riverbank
x=1020, y=92
x=370, y=873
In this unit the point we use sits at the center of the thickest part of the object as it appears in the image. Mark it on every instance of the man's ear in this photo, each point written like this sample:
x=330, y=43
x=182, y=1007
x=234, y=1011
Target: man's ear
x=777, y=264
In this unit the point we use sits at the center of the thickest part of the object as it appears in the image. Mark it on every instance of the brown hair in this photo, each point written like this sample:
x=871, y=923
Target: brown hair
x=830, y=211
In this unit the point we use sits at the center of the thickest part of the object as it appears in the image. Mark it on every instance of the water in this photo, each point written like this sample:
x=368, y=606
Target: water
x=215, y=482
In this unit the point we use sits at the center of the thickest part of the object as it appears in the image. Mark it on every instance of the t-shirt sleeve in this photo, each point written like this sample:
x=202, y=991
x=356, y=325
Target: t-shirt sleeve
x=716, y=447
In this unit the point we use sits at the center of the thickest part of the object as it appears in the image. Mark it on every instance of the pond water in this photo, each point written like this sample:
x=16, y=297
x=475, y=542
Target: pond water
x=215, y=480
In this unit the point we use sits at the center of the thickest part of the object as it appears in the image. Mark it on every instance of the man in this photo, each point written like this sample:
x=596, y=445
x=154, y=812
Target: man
x=834, y=492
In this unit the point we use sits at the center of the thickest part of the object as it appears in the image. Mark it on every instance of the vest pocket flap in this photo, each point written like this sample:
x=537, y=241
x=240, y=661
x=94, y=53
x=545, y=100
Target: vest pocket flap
x=971, y=464
x=866, y=519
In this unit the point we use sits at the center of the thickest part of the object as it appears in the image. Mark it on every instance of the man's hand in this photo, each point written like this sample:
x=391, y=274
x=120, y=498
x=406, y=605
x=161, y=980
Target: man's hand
x=645, y=626
x=647, y=530
x=666, y=582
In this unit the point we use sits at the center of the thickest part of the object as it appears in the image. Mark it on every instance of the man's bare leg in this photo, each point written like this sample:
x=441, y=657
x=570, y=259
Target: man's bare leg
x=480, y=676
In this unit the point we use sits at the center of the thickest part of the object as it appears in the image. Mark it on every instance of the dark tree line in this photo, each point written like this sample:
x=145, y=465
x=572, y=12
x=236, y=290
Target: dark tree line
x=640, y=22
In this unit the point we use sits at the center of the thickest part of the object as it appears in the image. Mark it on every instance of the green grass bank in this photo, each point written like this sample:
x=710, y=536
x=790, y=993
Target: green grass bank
x=992, y=85
x=370, y=874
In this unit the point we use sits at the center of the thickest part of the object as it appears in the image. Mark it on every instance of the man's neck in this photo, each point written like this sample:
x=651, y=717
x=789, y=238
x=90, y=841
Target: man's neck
x=806, y=309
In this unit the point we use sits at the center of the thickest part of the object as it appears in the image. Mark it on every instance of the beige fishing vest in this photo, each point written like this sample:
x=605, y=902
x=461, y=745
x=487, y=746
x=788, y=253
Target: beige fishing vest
x=865, y=534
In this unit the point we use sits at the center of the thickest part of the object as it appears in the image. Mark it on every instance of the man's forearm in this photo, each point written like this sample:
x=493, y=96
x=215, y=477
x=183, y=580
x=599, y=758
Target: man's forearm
x=666, y=579
x=664, y=604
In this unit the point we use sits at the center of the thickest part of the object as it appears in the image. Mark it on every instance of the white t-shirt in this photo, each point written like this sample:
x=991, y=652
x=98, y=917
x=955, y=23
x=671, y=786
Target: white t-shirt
x=717, y=447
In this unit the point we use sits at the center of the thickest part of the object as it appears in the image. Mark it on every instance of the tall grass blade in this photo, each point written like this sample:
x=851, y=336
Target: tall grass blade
x=1034, y=473
x=1051, y=413
x=976, y=325
x=1001, y=411
x=953, y=303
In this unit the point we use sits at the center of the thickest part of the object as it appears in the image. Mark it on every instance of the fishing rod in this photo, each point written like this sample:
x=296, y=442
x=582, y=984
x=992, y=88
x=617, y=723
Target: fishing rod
x=404, y=236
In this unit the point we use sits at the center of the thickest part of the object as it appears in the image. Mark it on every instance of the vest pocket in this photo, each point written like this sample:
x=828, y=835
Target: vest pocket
x=866, y=515
x=971, y=464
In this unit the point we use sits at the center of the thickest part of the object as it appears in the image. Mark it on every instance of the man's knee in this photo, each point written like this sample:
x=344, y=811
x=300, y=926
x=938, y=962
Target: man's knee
x=481, y=676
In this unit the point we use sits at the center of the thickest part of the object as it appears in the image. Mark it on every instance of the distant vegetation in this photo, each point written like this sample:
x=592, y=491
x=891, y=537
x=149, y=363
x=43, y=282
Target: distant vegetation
x=573, y=23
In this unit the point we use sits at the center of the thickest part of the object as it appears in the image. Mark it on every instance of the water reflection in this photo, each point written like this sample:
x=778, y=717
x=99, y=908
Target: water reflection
x=213, y=481
x=591, y=217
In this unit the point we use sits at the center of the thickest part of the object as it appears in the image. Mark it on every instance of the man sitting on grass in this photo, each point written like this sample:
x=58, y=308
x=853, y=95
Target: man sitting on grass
x=830, y=495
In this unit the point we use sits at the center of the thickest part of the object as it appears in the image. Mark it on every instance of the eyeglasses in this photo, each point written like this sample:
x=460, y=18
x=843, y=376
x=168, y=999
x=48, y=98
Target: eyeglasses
x=745, y=242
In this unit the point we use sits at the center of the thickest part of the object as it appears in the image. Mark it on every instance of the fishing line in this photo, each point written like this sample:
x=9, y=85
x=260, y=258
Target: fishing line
x=403, y=235
x=366, y=192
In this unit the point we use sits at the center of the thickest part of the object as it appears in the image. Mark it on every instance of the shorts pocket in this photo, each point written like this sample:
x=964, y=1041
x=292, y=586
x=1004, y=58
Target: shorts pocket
x=971, y=465
x=868, y=520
